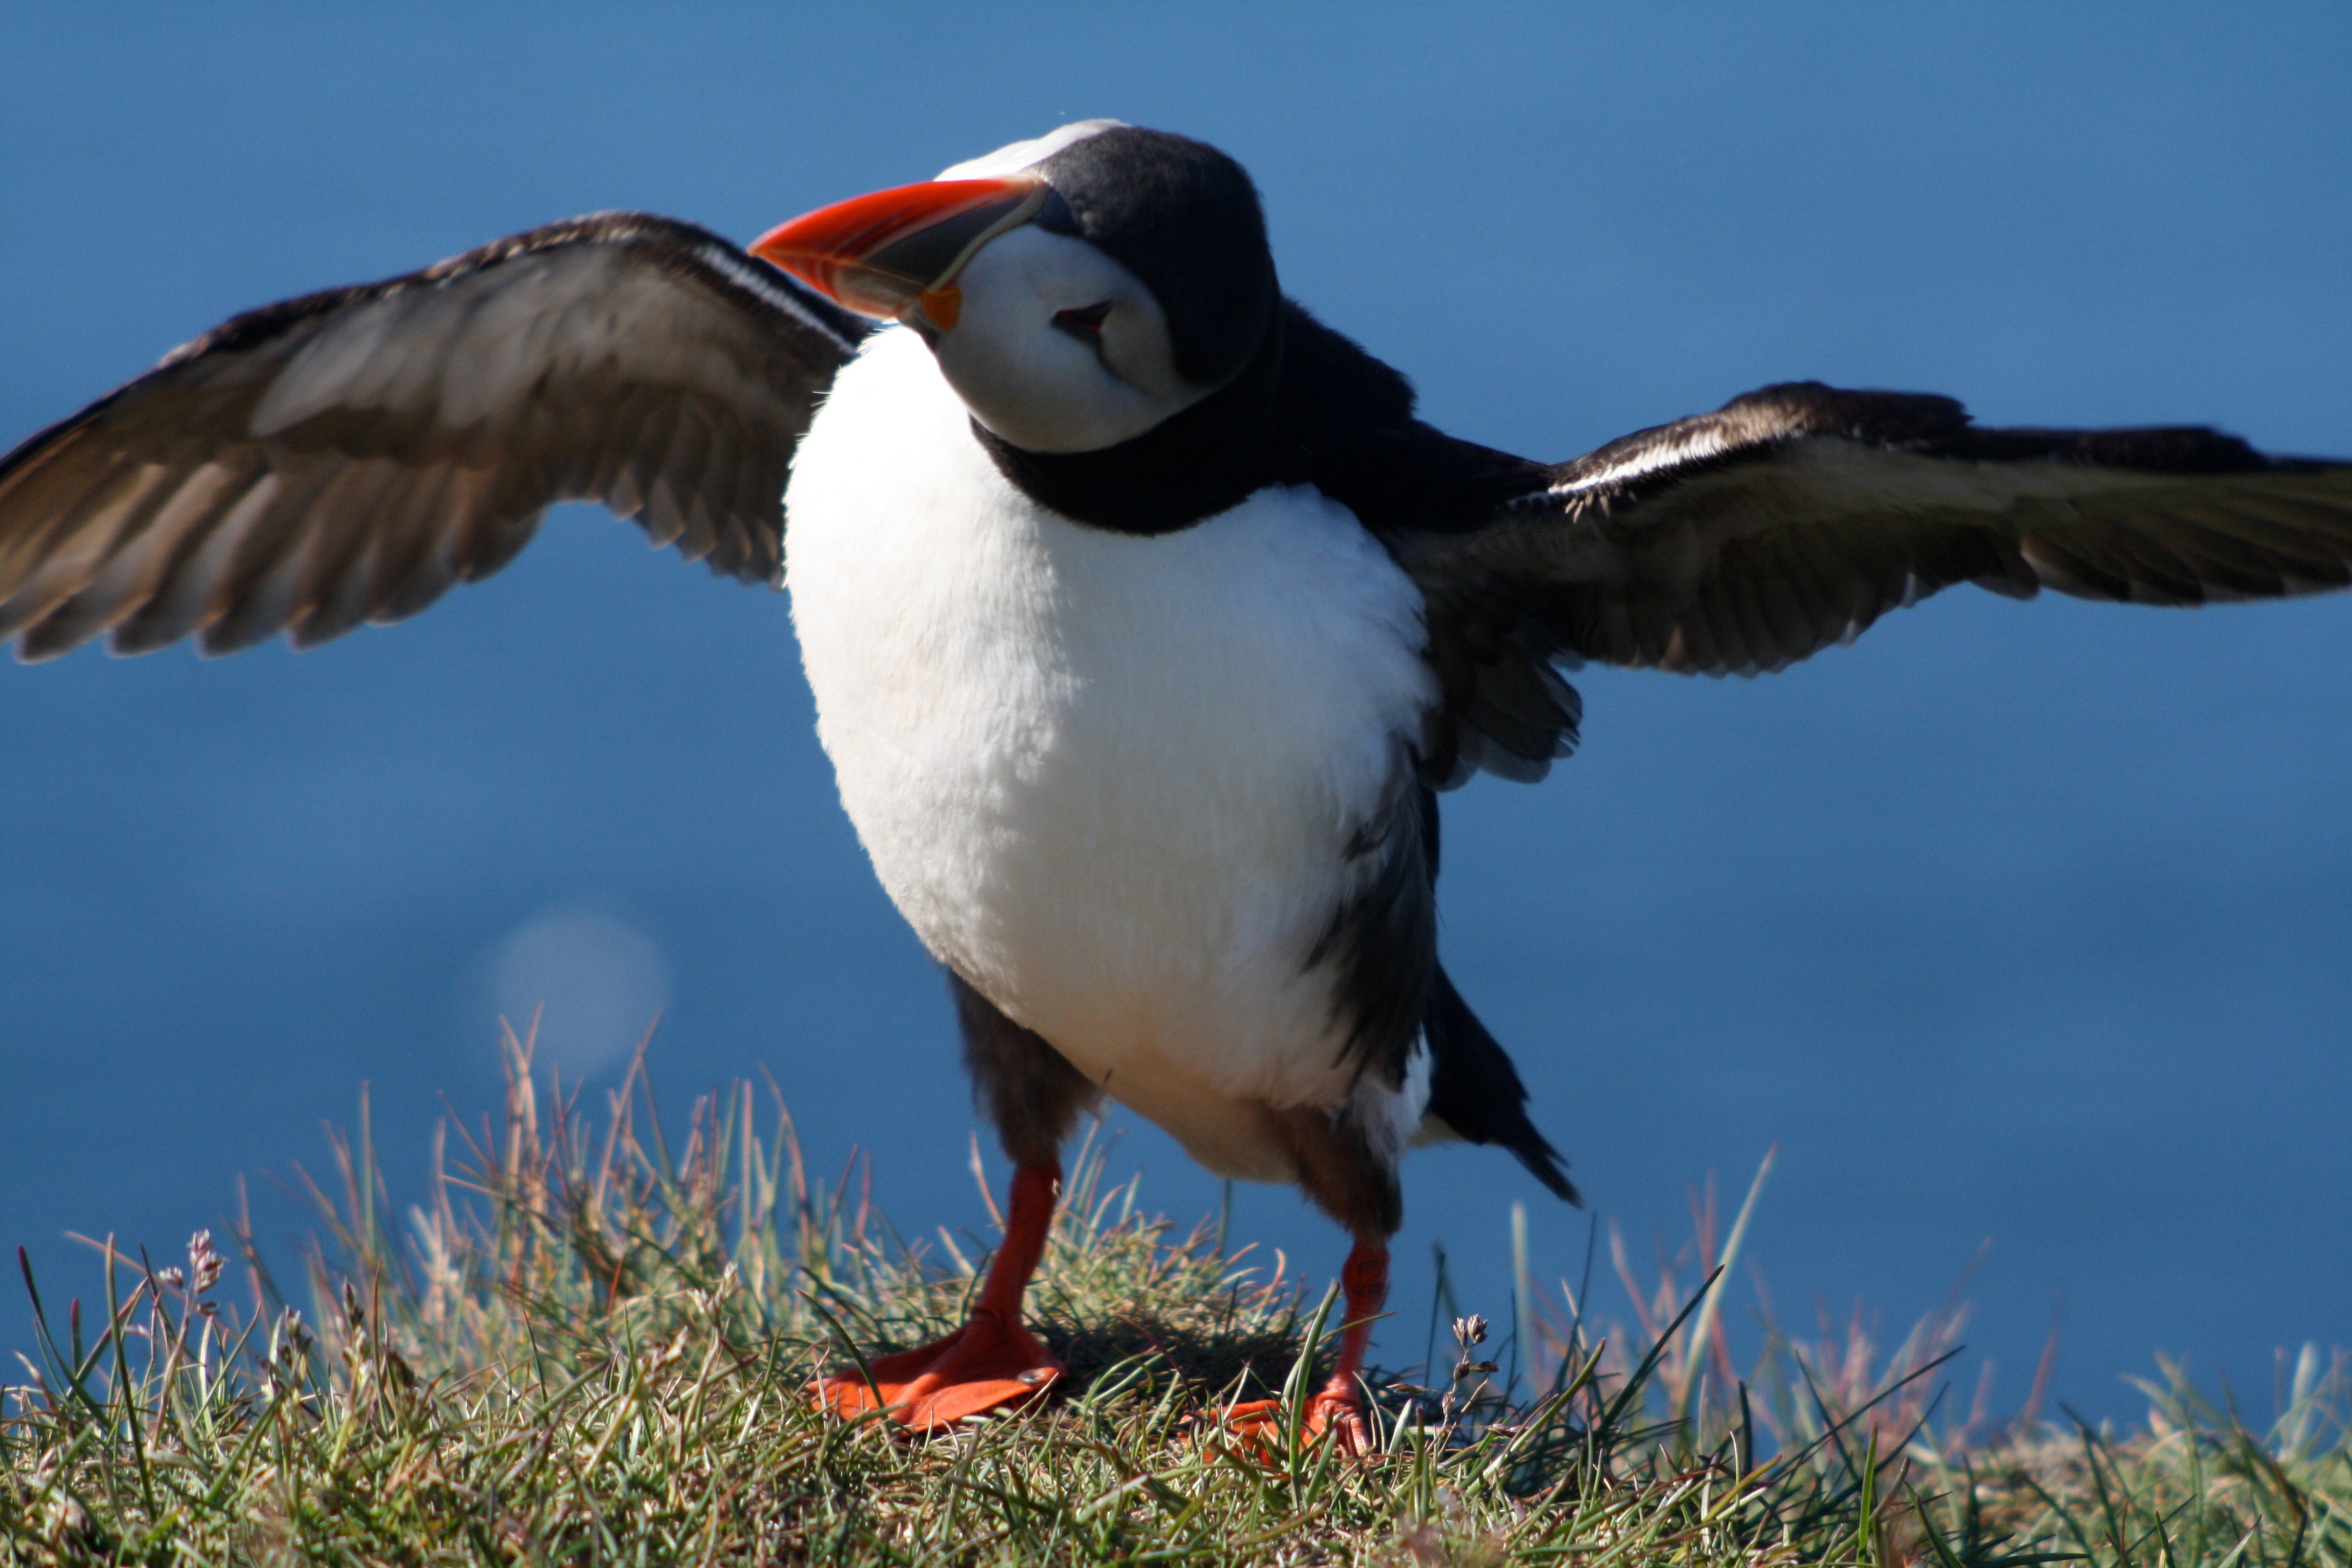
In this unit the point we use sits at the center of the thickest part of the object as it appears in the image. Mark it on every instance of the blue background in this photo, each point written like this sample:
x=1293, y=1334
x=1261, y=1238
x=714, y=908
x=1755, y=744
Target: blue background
x=2023, y=923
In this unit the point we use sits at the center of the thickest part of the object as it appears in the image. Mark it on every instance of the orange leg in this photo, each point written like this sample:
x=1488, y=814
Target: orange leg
x=1337, y=1407
x=989, y=1362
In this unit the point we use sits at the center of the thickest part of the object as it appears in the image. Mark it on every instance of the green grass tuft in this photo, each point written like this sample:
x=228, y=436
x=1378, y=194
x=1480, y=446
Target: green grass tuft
x=591, y=1346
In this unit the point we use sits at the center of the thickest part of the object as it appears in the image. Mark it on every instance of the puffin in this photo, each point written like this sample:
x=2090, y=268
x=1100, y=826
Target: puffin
x=1146, y=623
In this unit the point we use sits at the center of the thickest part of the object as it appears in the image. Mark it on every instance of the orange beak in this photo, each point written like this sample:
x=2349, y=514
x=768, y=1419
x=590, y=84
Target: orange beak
x=884, y=254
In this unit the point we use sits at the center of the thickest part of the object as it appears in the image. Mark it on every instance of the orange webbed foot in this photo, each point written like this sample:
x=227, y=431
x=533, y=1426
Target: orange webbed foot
x=1337, y=1412
x=988, y=1364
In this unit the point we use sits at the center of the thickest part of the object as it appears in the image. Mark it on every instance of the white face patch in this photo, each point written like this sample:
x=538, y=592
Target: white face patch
x=1040, y=385
x=1016, y=156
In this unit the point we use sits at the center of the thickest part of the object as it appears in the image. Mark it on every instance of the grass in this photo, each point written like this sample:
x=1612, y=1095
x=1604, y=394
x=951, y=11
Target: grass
x=590, y=1345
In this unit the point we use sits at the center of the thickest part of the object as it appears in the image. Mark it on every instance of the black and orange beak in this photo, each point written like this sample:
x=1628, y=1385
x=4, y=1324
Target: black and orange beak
x=882, y=254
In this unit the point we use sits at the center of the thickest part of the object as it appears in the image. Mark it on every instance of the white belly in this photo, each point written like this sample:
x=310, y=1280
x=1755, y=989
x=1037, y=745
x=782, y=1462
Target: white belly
x=1110, y=780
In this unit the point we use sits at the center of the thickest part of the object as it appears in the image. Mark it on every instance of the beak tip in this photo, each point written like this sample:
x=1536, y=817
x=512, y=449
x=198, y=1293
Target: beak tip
x=794, y=264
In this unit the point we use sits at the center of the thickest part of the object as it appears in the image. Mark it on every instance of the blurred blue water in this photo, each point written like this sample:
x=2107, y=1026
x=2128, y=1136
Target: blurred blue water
x=2020, y=922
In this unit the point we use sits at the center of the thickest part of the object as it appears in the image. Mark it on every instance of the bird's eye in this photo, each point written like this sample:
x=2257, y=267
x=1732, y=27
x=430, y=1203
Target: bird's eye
x=1084, y=323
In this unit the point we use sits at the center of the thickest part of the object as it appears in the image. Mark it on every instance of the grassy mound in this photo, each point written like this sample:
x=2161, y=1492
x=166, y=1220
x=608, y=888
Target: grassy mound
x=592, y=1347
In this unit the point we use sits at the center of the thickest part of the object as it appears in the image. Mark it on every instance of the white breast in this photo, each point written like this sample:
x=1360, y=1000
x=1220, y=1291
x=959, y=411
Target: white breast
x=1110, y=780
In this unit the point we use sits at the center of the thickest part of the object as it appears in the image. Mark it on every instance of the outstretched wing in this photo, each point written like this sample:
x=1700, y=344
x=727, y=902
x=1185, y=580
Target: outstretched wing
x=348, y=455
x=1747, y=539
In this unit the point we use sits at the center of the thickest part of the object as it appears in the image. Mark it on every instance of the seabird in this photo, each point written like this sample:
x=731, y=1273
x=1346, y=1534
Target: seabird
x=1145, y=620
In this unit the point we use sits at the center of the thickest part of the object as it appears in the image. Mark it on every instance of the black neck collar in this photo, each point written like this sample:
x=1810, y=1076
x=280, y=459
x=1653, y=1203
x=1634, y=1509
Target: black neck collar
x=1192, y=467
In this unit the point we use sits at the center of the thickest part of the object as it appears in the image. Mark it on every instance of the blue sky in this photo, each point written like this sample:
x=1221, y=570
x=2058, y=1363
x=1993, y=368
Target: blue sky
x=2018, y=922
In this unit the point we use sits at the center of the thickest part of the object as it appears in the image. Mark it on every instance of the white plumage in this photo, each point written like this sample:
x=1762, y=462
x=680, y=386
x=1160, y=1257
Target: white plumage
x=1110, y=779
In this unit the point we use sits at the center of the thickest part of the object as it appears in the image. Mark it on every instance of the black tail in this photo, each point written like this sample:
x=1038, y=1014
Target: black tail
x=1476, y=1090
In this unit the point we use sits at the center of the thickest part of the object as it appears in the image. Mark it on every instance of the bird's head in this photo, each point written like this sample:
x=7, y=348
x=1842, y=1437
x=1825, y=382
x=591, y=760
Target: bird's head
x=1079, y=289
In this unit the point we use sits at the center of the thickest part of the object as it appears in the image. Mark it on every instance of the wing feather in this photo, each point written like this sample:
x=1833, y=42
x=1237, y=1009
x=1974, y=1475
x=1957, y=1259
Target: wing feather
x=1794, y=517
x=348, y=456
